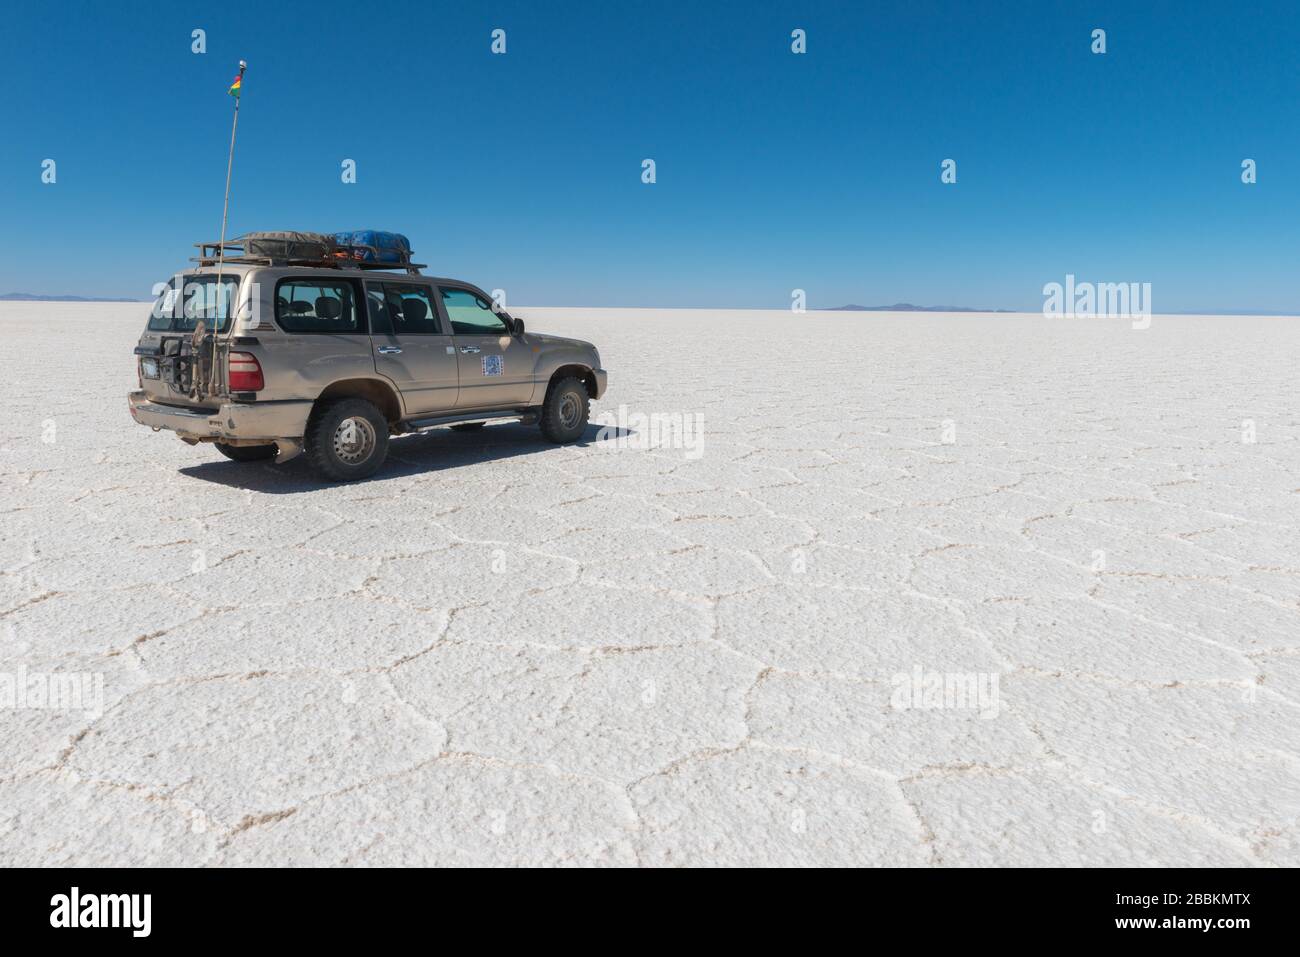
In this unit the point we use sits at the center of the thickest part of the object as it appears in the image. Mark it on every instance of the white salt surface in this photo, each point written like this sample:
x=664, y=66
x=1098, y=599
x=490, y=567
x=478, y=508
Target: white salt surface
x=500, y=651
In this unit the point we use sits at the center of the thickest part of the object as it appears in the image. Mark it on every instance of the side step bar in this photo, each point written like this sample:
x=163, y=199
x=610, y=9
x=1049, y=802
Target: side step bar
x=527, y=416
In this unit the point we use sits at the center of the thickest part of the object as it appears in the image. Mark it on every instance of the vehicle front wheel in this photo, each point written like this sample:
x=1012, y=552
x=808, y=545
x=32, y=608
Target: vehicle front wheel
x=246, y=453
x=564, y=414
x=346, y=440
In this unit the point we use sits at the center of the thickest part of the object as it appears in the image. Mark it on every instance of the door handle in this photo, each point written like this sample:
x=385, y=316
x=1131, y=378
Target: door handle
x=389, y=350
x=469, y=349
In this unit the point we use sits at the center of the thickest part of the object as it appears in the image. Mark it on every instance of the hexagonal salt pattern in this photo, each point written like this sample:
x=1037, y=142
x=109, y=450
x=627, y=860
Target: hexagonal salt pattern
x=826, y=589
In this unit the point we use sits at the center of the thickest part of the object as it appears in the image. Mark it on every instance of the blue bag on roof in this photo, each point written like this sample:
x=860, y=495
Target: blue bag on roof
x=388, y=247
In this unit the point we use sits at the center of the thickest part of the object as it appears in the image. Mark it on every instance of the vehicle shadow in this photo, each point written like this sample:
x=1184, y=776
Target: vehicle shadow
x=437, y=450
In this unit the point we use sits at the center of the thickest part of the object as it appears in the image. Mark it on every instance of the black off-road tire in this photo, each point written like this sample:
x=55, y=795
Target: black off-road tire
x=341, y=454
x=467, y=426
x=565, y=411
x=246, y=453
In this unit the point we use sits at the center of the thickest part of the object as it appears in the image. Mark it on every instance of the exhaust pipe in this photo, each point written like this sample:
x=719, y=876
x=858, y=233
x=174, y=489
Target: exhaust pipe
x=287, y=449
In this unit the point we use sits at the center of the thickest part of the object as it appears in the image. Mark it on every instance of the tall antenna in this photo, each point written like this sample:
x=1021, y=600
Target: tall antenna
x=235, y=90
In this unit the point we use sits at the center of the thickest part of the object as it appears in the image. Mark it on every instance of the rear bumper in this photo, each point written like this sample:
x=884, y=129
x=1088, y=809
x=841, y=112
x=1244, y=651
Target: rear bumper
x=601, y=382
x=234, y=420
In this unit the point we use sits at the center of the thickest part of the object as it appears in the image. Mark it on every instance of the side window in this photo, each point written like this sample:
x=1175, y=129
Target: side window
x=470, y=315
x=316, y=306
x=402, y=309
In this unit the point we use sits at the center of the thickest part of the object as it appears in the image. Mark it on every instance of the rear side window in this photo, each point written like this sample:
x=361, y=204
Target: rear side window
x=317, y=306
x=402, y=309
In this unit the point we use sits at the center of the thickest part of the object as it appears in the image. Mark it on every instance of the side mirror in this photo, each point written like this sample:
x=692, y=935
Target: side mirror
x=517, y=326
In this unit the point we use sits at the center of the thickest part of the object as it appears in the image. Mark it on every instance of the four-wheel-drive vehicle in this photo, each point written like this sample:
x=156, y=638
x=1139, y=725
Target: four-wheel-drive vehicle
x=330, y=357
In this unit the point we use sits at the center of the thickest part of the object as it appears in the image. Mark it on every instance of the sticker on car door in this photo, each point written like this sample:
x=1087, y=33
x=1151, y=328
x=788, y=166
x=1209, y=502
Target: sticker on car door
x=493, y=365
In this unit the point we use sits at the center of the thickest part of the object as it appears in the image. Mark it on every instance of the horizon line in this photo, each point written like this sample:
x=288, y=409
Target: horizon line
x=843, y=310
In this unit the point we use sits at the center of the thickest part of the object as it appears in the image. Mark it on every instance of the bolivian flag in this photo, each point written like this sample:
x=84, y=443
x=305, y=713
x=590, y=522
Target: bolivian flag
x=234, y=87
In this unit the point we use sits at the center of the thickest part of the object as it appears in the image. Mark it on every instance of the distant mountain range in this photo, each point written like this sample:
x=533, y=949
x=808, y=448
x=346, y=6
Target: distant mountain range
x=28, y=297
x=908, y=307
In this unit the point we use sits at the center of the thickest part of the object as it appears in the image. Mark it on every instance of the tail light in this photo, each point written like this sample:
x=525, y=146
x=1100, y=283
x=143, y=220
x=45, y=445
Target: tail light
x=245, y=372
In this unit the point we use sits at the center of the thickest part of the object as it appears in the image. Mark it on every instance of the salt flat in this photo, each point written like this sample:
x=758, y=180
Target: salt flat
x=1086, y=537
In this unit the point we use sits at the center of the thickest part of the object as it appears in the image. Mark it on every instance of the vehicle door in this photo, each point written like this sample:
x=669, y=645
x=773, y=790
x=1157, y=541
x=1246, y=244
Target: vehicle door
x=496, y=367
x=411, y=346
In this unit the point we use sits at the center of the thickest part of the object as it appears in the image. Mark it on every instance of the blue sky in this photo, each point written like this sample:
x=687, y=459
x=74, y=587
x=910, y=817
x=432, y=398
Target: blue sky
x=775, y=171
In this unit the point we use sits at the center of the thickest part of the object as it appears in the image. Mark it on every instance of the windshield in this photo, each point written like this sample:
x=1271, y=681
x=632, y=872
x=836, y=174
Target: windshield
x=199, y=297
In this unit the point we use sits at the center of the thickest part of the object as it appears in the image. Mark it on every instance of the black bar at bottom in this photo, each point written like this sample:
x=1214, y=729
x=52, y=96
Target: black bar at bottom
x=212, y=907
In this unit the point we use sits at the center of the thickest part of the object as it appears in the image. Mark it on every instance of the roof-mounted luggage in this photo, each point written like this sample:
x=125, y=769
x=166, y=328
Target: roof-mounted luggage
x=303, y=247
x=360, y=249
x=372, y=245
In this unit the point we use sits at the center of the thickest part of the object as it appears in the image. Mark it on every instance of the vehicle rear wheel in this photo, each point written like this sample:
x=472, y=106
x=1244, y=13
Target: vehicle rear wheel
x=346, y=440
x=564, y=414
x=467, y=426
x=246, y=453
